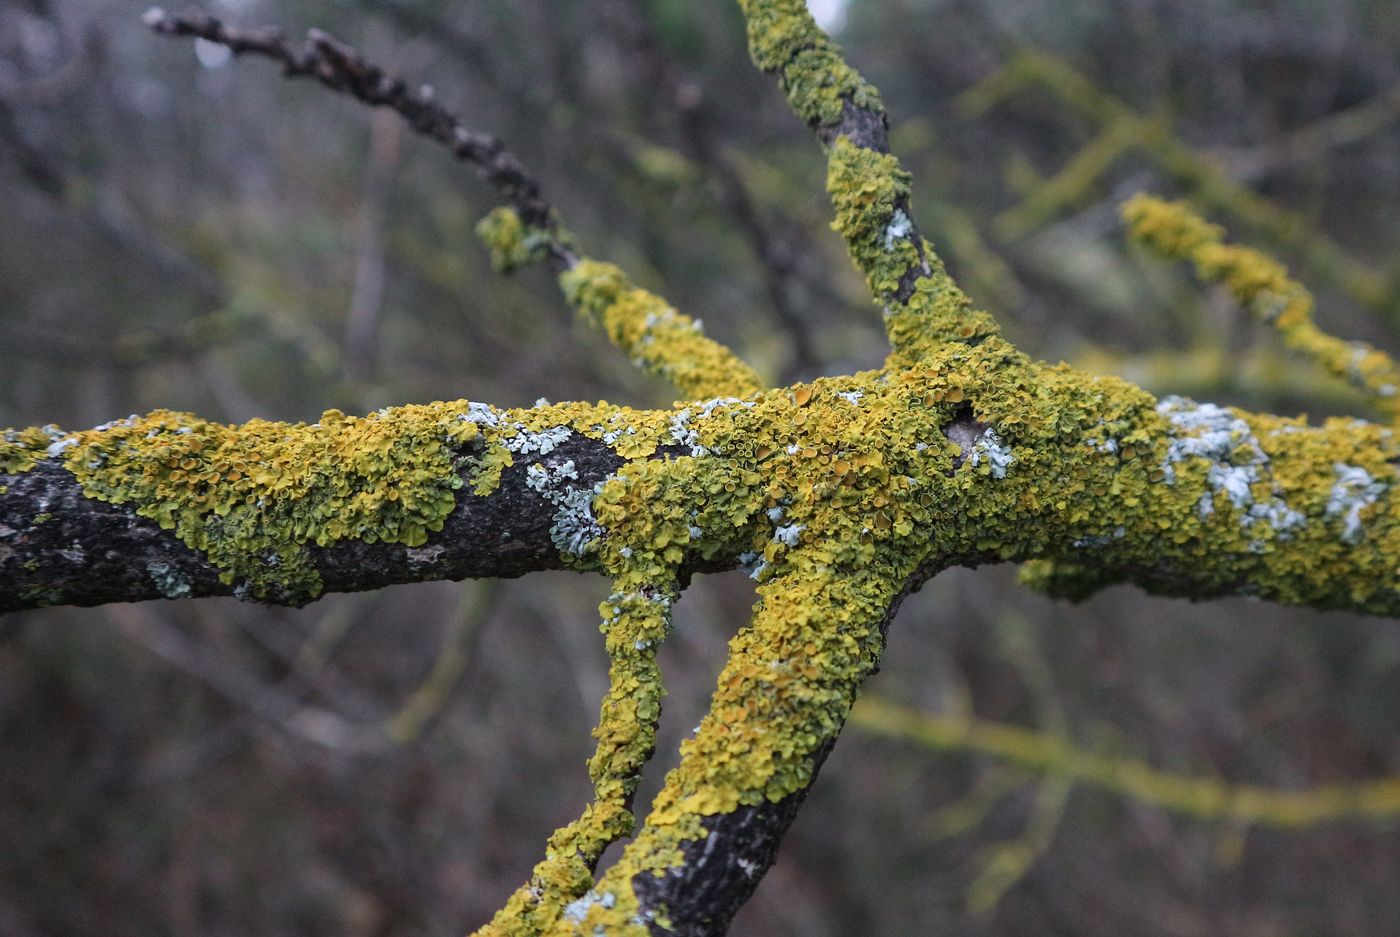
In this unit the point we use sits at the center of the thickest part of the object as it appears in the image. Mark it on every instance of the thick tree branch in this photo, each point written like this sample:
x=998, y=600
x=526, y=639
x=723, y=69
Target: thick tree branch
x=60, y=546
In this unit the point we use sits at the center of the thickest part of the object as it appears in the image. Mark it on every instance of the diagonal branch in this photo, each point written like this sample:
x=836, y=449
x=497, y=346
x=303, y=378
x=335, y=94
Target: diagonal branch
x=869, y=189
x=340, y=67
x=654, y=335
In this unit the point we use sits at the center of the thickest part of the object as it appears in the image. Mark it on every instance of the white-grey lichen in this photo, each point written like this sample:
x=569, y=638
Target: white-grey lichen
x=543, y=442
x=898, y=229
x=1238, y=465
x=752, y=563
x=788, y=535
x=481, y=414
x=575, y=529
x=578, y=909
x=990, y=449
x=1354, y=491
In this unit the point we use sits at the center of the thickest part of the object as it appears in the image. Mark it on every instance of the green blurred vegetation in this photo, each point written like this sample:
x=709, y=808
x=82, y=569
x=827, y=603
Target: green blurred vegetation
x=185, y=233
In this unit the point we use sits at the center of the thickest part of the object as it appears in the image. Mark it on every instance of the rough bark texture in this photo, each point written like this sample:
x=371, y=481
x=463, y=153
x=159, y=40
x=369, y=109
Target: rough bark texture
x=60, y=547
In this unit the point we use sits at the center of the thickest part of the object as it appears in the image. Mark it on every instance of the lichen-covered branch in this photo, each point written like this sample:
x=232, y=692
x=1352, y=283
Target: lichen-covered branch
x=923, y=307
x=654, y=335
x=861, y=484
x=1263, y=286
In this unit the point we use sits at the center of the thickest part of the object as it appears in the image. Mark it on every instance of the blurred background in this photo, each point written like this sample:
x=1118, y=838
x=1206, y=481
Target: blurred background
x=182, y=231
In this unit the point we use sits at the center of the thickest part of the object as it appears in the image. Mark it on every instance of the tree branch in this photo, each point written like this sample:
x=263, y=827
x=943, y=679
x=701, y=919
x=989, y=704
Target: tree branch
x=652, y=334
x=61, y=546
x=341, y=68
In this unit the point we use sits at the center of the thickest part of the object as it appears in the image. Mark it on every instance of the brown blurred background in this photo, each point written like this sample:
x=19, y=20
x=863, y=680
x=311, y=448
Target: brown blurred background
x=181, y=231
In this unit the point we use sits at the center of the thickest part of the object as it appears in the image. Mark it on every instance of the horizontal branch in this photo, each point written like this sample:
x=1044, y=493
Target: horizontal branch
x=1203, y=797
x=60, y=545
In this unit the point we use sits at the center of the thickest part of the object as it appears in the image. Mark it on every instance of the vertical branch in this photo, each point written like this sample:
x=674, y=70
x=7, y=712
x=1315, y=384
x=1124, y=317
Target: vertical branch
x=869, y=189
x=367, y=297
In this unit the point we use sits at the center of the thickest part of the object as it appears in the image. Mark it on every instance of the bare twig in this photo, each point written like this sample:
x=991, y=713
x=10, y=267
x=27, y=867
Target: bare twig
x=342, y=68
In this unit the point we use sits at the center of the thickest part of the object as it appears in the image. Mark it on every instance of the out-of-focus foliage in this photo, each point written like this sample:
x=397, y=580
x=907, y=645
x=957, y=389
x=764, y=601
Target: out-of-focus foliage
x=184, y=232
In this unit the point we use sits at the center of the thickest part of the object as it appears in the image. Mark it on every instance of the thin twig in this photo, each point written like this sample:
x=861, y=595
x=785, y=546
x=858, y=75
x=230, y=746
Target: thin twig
x=340, y=67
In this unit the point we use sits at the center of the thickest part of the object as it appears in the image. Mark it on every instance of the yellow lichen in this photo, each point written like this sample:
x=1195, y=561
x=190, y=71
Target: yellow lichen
x=1262, y=285
x=655, y=336
x=834, y=495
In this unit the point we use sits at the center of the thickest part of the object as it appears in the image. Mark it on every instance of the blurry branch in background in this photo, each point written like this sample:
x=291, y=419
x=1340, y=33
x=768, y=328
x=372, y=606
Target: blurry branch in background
x=1316, y=140
x=772, y=244
x=367, y=296
x=1262, y=285
x=1209, y=370
x=278, y=704
x=96, y=210
x=88, y=54
x=475, y=606
x=341, y=68
x=1002, y=865
x=526, y=232
x=283, y=704
x=1072, y=185
x=1055, y=756
x=1206, y=178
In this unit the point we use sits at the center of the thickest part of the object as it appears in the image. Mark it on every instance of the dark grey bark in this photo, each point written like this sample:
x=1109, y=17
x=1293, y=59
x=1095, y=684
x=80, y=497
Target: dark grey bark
x=60, y=547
